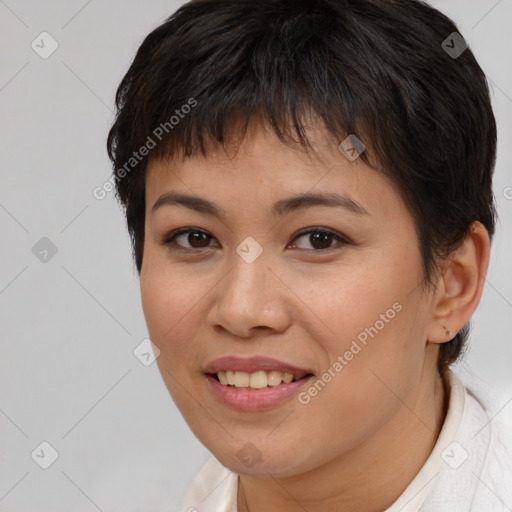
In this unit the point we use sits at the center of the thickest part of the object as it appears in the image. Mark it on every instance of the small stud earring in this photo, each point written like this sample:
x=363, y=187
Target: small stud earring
x=448, y=333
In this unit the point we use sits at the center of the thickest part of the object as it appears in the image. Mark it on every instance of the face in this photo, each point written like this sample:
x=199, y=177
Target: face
x=333, y=290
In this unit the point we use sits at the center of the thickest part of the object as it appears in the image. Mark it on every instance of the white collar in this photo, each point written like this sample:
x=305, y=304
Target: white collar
x=449, y=478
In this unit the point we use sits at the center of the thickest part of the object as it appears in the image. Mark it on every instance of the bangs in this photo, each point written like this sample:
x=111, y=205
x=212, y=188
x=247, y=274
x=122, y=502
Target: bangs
x=194, y=92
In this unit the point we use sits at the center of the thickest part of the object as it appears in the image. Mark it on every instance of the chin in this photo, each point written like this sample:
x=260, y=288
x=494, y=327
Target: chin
x=253, y=459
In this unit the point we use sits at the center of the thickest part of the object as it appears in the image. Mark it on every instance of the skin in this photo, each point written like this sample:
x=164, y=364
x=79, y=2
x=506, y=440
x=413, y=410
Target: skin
x=358, y=443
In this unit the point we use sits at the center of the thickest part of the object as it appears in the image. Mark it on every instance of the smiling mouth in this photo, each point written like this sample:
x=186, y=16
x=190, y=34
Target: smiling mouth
x=256, y=380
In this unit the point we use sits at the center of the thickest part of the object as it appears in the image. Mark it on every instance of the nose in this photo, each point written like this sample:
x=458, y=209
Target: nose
x=250, y=299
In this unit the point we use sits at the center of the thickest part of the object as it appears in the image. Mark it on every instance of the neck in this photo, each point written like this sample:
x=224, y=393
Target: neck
x=359, y=481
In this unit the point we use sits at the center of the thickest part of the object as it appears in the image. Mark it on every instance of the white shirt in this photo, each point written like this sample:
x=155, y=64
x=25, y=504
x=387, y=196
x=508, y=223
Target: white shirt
x=465, y=472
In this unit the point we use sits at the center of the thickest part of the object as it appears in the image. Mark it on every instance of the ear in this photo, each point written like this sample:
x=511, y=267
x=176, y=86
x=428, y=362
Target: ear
x=460, y=286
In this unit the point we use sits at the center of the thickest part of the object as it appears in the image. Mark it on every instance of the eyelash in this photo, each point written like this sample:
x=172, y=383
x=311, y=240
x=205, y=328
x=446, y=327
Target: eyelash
x=169, y=240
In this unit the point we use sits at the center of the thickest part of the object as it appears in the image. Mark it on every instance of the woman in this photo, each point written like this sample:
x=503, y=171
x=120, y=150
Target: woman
x=308, y=188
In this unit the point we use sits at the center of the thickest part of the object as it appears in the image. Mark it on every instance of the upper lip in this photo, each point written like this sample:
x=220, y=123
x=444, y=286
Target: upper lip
x=253, y=364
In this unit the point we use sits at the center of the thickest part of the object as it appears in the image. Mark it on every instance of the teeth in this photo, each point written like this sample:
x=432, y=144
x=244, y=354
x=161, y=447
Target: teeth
x=256, y=380
x=274, y=378
x=241, y=380
x=287, y=378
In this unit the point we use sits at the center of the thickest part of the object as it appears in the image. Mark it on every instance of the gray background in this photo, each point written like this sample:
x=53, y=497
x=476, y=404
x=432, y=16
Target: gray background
x=69, y=325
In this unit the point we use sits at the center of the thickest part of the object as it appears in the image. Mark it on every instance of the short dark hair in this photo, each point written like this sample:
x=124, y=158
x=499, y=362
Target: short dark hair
x=373, y=68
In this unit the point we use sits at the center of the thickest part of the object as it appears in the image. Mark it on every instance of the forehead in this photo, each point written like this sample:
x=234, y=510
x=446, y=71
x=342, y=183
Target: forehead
x=259, y=170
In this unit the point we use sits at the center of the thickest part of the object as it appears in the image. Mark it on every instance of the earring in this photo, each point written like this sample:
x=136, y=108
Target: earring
x=448, y=333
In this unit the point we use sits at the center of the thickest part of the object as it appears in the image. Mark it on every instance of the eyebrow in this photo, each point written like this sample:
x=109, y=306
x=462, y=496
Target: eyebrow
x=280, y=208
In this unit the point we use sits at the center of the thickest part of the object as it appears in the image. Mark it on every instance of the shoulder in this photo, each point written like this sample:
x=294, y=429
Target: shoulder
x=476, y=474
x=470, y=463
x=494, y=483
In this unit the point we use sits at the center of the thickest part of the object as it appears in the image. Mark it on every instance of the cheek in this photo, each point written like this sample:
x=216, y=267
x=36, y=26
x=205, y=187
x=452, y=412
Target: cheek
x=377, y=323
x=170, y=303
x=164, y=292
x=371, y=365
x=356, y=306
x=167, y=302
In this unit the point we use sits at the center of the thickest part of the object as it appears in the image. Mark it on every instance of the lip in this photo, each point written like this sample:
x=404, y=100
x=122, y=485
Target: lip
x=252, y=364
x=253, y=400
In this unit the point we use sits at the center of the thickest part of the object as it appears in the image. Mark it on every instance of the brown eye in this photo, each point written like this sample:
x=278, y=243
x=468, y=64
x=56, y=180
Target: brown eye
x=190, y=239
x=320, y=239
x=197, y=239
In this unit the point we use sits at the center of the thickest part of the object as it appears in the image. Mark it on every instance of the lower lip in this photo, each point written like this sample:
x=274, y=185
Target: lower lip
x=255, y=399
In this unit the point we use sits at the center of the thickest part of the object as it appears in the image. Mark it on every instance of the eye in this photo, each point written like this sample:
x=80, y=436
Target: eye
x=320, y=239
x=197, y=238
